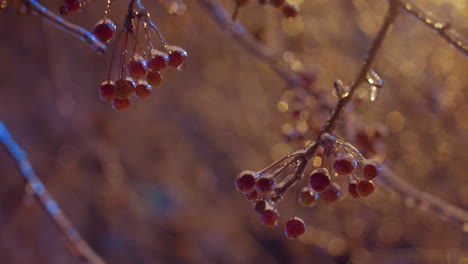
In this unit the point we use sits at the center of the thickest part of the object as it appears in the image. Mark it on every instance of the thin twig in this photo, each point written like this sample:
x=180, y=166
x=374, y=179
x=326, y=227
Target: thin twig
x=240, y=34
x=78, y=245
x=440, y=28
x=425, y=201
x=66, y=26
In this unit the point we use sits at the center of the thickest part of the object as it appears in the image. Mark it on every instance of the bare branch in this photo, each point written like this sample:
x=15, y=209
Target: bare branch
x=440, y=28
x=240, y=34
x=66, y=26
x=79, y=246
x=425, y=201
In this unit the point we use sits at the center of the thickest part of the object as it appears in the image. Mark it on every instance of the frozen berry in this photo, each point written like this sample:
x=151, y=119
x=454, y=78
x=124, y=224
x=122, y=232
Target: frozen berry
x=177, y=56
x=158, y=60
x=136, y=68
x=143, y=90
x=154, y=78
x=290, y=11
x=269, y=217
x=365, y=188
x=252, y=196
x=104, y=30
x=370, y=169
x=352, y=190
x=344, y=165
x=121, y=104
x=70, y=6
x=307, y=198
x=124, y=88
x=245, y=181
x=106, y=90
x=264, y=184
x=294, y=227
x=319, y=179
x=331, y=194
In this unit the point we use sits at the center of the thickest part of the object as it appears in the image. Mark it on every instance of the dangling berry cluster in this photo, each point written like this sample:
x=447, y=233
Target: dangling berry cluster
x=332, y=158
x=140, y=73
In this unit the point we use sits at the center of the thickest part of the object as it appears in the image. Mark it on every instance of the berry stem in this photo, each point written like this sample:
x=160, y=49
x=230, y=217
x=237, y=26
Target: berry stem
x=113, y=55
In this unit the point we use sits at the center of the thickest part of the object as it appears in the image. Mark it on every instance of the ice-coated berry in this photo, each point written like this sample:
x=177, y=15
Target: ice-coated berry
x=269, y=217
x=294, y=227
x=307, y=198
x=158, y=60
x=370, y=169
x=365, y=188
x=143, y=91
x=319, y=179
x=252, y=196
x=245, y=181
x=344, y=165
x=136, y=69
x=121, y=104
x=106, y=90
x=124, y=88
x=104, y=30
x=154, y=78
x=331, y=194
x=264, y=184
x=177, y=56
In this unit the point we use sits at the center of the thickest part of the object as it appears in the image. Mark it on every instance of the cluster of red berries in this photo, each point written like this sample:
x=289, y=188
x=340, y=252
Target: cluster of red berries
x=256, y=187
x=337, y=159
x=142, y=71
x=140, y=75
x=289, y=10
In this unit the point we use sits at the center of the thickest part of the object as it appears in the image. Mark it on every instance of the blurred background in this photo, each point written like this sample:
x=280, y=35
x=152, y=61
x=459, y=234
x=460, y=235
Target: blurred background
x=155, y=184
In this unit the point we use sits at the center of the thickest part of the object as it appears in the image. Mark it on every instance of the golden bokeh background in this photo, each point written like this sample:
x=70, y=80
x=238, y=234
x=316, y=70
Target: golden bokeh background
x=154, y=184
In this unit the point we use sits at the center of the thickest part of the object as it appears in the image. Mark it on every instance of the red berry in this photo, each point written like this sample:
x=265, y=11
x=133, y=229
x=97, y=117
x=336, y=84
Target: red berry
x=177, y=56
x=262, y=2
x=365, y=188
x=124, y=88
x=319, y=180
x=71, y=6
x=352, y=190
x=344, y=165
x=290, y=11
x=294, y=227
x=104, y=30
x=264, y=184
x=370, y=169
x=136, y=69
x=121, y=104
x=158, y=61
x=331, y=194
x=143, y=91
x=269, y=217
x=245, y=181
x=307, y=198
x=252, y=196
x=154, y=78
x=106, y=90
